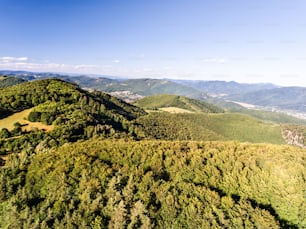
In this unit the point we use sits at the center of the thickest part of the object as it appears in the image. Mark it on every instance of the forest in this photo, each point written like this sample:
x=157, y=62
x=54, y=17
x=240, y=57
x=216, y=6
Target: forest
x=109, y=164
x=161, y=184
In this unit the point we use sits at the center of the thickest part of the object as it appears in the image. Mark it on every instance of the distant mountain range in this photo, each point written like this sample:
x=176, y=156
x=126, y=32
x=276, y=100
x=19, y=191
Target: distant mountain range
x=142, y=87
x=222, y=88
x=263, y=95
x=285, y=98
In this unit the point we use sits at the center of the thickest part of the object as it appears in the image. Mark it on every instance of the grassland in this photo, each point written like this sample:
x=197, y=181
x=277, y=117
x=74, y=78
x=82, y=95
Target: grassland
x=175, y=110
x=21, y=117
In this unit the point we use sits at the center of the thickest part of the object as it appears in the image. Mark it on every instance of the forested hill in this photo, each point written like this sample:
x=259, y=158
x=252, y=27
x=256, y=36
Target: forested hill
x=155, y=184
x=57, y=93
x=175, y=101
x=6, y=81
x=73, y=113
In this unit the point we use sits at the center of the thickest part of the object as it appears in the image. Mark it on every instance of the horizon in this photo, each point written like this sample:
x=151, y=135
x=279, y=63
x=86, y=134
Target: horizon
x=245, y=42
x=71, y=74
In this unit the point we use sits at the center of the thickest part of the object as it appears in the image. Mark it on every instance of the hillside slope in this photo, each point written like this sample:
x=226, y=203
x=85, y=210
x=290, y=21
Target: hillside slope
x=6, y=81
x=155, y=184
x=163, y=100
x=227, y=126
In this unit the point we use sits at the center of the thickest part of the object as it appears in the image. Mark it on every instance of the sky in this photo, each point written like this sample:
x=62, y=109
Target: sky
x=242, y=40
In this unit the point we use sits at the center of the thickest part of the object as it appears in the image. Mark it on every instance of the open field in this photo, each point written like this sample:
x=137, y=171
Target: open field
x=175, y=110
x=20, y=117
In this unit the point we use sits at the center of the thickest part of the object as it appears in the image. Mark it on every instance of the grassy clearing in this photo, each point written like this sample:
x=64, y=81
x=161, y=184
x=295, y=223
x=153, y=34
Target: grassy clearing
x=175, y=110
x=9, y=121
x=20, y=117
x=32, y=125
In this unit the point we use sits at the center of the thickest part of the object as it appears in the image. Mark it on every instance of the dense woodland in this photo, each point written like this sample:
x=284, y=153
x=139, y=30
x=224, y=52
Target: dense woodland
x=119, y=184
x=108, y=164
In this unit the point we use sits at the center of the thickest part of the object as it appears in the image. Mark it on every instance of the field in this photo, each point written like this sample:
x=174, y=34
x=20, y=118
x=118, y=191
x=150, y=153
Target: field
x=20, y=117
x=175, y=110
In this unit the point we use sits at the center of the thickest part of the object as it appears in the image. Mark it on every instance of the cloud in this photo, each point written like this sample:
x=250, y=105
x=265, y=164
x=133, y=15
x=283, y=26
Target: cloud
x=9, y=59
x=85, y=66
x=116, y=61
x=24, y=63
x=214, y=60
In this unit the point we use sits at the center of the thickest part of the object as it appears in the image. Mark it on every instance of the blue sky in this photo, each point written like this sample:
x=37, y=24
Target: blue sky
x=242, y=40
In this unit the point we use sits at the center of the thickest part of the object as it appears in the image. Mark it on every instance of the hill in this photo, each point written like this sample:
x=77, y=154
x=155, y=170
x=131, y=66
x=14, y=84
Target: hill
x=227, y=126
x=155, y=184
x=6, y=81
x=75, y=114
x=231, y=125
x=182, y=102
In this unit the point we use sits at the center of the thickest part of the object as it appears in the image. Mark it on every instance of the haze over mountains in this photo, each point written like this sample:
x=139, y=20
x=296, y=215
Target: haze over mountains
x=264, y=96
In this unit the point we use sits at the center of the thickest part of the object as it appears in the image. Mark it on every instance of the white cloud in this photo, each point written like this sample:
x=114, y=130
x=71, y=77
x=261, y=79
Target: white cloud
x=116, y=61
x=214, y=60
x=85, y=66
x=23, y=63
x=10, y=59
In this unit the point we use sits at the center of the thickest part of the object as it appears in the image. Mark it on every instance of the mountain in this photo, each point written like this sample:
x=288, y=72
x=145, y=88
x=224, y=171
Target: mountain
x=134, y=87
x=174, y=101
x=6, y=81
x=285, y=98
x=153, y=87
x=222, y=88
x=29, y=76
